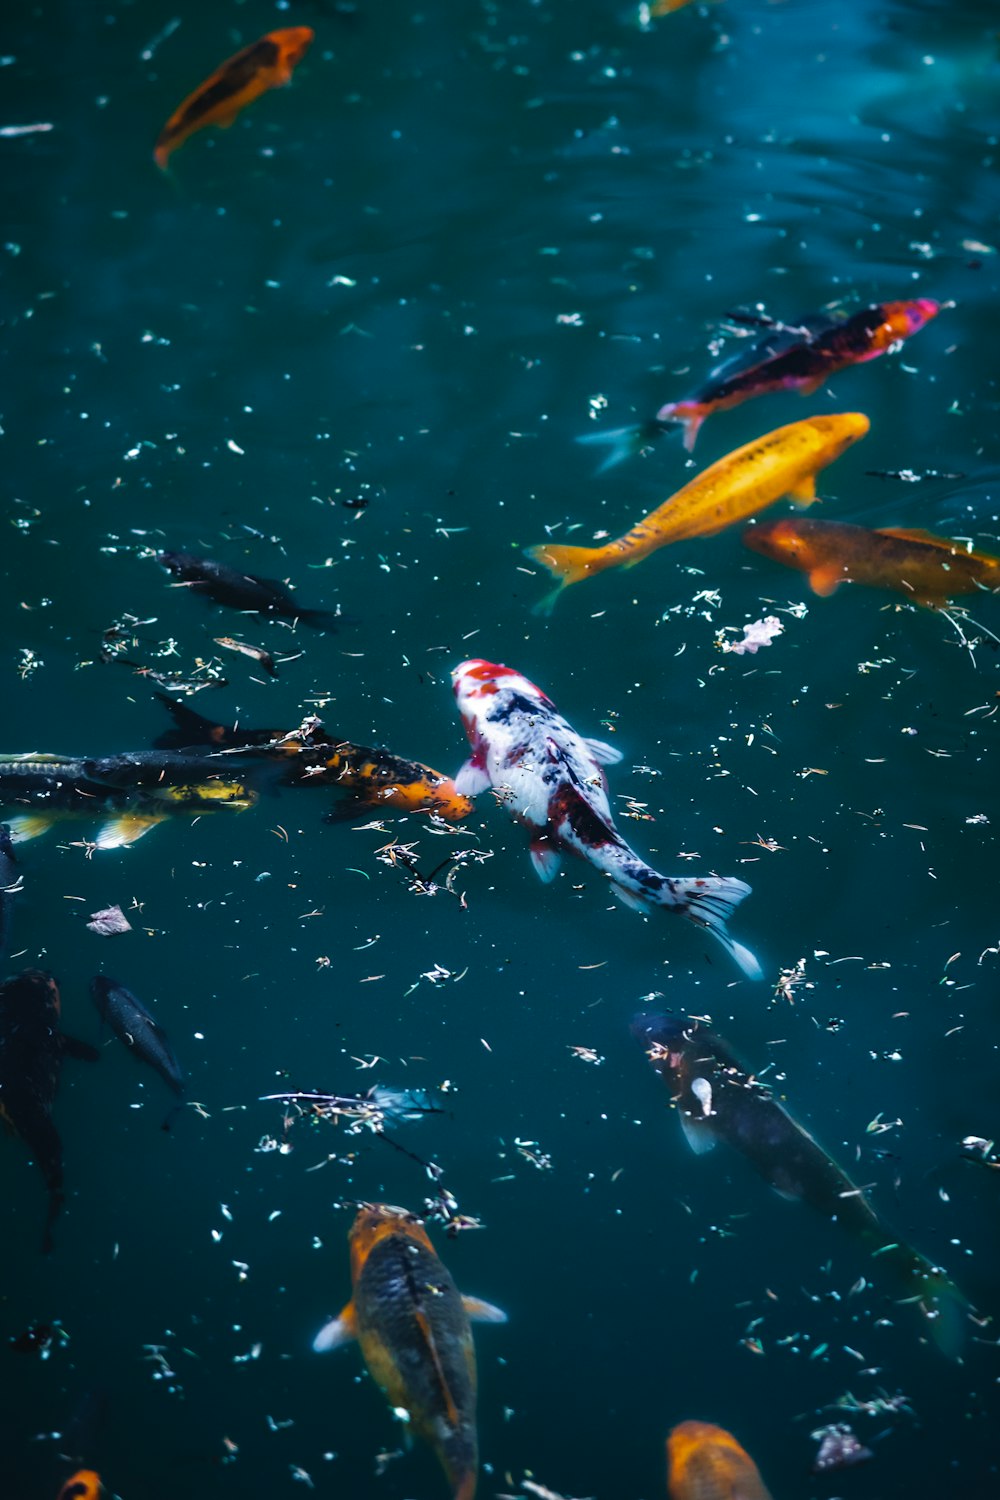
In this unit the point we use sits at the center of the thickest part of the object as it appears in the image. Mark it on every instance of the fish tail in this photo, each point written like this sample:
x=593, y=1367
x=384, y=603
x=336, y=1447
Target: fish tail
x=568, y=564
x=709, y=902
x=324, y=619
x=465, y=1489
x=624, y=442
x=944, y=1306
x=56, y=1200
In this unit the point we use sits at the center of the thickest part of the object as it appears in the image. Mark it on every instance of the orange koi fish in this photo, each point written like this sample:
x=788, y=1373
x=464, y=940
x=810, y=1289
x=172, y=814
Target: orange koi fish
x=929, y=569
x=266, y=64
x=788, y=358
x=707, y=1463
x=83, y=1485
x=783, y=462
x=413, y=1327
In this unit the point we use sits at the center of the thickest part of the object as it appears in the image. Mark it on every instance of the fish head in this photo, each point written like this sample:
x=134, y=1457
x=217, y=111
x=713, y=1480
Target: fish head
x=422, y=789
x=785, y=541
x=377, y=1221
x=838, y=431
x=705, y=1459
x=667, y=1040
x=85, y=1484
x=293, y=44
x=904, y=318
x=477, y=684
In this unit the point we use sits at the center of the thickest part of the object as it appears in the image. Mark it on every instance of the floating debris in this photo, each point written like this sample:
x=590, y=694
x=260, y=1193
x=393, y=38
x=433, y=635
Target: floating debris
x=838, y=1448
x=108, y=922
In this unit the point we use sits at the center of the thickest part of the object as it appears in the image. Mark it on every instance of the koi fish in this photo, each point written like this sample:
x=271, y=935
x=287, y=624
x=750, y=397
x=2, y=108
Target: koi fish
x=10, y=883
x=552, y=782
x=265, y=64
x=783, y=462
x=716, y=1099
x=85, y=1484
x=707, y=1463
x=132, y=1023
x=413, y=1327
x=929, y=569
x=32, y=1049
x=787, y=358
x=130, y=793
x=313, y=757
x=244, y=591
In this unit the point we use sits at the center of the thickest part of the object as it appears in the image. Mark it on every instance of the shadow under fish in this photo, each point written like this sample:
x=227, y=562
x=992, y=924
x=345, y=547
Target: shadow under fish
x=32, y=1048
x=716, y=1099
x=141, y=1033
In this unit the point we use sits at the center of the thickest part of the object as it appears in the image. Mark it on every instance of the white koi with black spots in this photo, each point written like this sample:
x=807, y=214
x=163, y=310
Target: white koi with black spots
x=552, y=781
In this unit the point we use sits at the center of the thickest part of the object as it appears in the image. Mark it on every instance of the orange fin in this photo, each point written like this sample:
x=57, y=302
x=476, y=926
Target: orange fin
x=826, y=580
x=478, y=1311
x=810, y=387
x=338, y=1332
x=423, y=1323
x=804, y=492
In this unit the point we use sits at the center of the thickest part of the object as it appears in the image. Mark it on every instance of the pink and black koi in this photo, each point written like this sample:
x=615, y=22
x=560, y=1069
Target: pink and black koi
x=552, y=782
x=786, y=358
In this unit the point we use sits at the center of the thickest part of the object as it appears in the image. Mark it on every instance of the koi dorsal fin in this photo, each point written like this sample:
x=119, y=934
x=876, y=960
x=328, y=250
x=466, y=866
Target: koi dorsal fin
x=918, y=534
x=423, y=1323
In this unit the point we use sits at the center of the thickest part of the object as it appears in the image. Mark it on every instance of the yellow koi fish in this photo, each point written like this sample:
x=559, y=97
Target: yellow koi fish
x=783, y=462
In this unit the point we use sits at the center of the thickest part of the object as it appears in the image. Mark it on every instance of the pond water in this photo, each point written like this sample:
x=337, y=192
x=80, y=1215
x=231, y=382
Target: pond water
x=463, y=237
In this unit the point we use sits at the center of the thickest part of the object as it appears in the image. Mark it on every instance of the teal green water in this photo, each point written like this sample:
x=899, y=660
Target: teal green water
x=414, y=275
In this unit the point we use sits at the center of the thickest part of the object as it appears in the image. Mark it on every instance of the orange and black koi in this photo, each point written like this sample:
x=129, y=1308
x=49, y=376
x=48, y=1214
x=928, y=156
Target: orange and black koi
x=311, y=756
x=707, y=1463
x=787, y=359
x=85, y=1484
x=32, y=1049
x=265, y=64
x=413, y=1327
x=928, y=569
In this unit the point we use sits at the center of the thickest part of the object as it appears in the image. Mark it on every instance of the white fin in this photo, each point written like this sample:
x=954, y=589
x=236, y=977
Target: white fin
x=126, y=830
x=697, y=1134
x=472, y=779
x=708, y=902
x=546, y=860
x=603, y=753
x=28, y=826
x=333, y=1335
x=479, y=1311
x=632, y=899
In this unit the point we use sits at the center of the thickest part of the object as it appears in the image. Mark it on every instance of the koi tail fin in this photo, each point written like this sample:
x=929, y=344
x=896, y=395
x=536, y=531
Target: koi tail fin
x=624, y=442
x=56, y=1200
x=568, y=564
x=945, y=1308
x=324, y=619
x=709, y=902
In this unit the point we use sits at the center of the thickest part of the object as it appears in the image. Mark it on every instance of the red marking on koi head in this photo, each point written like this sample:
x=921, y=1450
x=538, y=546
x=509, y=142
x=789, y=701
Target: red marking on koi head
x=904, y=318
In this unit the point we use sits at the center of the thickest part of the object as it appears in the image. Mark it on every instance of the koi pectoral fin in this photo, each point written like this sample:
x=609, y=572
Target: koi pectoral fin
x=825, y=581
x=545, y=860
x=698, y=1135
x=472, y=779
x=804, y=493
x=479, y=1311
x=338, y=1332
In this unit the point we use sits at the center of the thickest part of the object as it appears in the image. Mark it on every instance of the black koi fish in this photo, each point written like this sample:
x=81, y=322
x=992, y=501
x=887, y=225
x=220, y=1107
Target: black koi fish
x=32, y=1048
x=132, y=1023
x=716, y=1099
x=245, y=591
x=413, y=1327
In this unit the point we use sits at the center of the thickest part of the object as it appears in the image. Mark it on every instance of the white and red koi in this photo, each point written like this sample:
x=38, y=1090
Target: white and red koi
x=552, y=782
